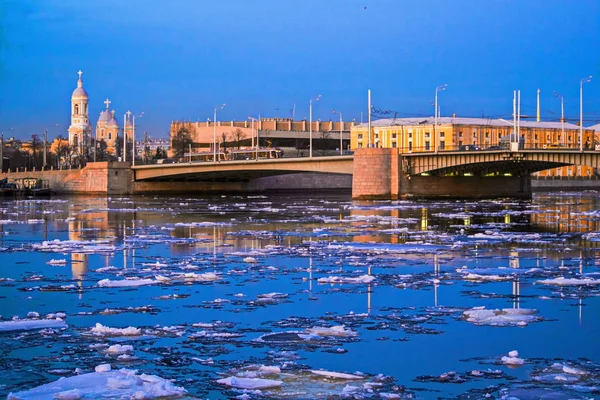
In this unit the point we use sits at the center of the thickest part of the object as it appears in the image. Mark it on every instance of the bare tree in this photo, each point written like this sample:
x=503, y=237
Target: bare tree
x=223, y=140
x=238, y=136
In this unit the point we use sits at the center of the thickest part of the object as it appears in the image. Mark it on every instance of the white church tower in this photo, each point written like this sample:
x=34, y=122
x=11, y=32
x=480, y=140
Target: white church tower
x=80, y=131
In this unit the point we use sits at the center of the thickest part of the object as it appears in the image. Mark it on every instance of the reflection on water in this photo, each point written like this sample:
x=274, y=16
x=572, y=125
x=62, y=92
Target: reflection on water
x=397, y=274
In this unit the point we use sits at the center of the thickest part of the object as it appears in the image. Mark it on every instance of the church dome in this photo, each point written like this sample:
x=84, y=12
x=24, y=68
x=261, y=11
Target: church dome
x=80, y=92
x=113, y=121
x=105, y=116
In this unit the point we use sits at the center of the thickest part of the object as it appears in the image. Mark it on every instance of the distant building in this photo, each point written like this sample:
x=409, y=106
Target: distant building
x=452, y=133
x=107, y=129
x=151, y=145
x=272, y=132
x=80, y=130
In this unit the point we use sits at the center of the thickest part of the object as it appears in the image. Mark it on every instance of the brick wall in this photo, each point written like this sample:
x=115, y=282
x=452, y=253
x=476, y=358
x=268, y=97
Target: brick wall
x=372, y=176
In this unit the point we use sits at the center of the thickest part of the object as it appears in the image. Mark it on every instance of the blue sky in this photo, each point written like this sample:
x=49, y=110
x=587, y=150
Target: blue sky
x=179, y=59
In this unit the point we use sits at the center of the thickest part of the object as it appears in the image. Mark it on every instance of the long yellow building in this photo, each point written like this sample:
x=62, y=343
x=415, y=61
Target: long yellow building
x=451, y=133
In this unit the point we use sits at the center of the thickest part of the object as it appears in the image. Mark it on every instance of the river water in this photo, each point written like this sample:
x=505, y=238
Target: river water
x=300, y=296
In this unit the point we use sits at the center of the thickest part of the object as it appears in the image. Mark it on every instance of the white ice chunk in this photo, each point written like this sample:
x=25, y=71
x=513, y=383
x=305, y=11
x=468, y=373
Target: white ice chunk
x=338, y=330
x=29, y=324
x=73, y=394
x=119, y=349
x=504, y=317
x=126, y=282
x=101, y=330
x=102, y=368
x=62, y=261
x=249, y=260
x=249, y=383
x=121, y=384
x=512, y=359
x=342, y=279
x=336, y=375
x=562, y=281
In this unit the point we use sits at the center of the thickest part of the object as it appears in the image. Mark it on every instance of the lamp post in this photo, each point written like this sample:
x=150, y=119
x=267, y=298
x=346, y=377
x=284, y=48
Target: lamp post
x=562, y=115
x=133, y=139
x=583, y=80
x=215, y=132
x=435, y=138
x=341, y=127
x=125, y=119
x=256, y=147
x=310, y=153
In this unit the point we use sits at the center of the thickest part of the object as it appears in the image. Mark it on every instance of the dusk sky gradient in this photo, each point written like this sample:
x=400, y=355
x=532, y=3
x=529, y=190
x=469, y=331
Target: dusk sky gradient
x=178, y=59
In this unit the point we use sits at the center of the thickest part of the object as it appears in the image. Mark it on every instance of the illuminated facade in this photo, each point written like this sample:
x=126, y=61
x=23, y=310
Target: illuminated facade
x=422, y=135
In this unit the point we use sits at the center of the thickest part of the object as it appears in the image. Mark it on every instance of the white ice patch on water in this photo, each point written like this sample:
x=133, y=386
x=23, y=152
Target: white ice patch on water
x=562, y=281
x=30, y=324
x=101, y=330
x=121, y=384
x=118, y=349
x=126, y=282
x=512, y=359
x=343, y=279
x=338, y=331
x=249, y=383
x=337, y=375
x=503, y=317
x=62, y=261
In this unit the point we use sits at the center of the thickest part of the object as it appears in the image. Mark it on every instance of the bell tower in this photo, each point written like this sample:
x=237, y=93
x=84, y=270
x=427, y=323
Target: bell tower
x=80, y=130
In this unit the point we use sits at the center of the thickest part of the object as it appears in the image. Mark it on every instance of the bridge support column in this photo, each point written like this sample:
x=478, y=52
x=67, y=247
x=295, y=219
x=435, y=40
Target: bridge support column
x=466, y=187
x=375, y=174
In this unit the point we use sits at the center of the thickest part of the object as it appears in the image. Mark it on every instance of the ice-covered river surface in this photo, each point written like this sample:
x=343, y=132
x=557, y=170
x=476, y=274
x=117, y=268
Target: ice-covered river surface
x=298, y=297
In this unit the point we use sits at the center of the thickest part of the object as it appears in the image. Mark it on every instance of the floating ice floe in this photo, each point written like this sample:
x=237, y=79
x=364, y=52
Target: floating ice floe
x=503, y=317
x=126, y=282
x=562, y=281
x=250, y=260
x=104, y=383
x=336, y=375
x=157, y=264
x=57, y=262
x=101, y=330
x=31, y=324
x=118, y=349
x=338, y=330
x=250, y=383
x=512, y=359
x=343, y=279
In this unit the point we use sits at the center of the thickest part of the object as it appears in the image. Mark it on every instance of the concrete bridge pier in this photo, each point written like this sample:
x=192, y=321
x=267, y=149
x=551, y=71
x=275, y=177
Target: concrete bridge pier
x=384, y=174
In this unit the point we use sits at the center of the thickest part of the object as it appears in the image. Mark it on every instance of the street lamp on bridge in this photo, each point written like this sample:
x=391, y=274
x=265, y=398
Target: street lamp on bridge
x=257, y=128
x=317, y=98
x=583, y=80
x=215, y=132
x=133, y=138
x=437, y=89
x=562, y=115
x=341, y=127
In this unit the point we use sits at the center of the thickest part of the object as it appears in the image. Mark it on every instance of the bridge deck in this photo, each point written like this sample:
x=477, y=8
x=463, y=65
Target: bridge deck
x=243, y=169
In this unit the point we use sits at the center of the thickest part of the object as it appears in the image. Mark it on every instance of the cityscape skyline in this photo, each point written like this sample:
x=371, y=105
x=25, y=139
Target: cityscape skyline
x=271, y=57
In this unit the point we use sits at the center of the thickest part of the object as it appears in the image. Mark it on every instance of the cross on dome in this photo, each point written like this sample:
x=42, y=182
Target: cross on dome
x=79, y=73
x=107, y=102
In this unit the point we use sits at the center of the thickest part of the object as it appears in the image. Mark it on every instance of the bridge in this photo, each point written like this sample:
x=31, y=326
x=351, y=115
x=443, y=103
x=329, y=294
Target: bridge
x=501, y=162
x=240, y=171
x=384, y=173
